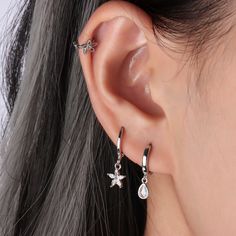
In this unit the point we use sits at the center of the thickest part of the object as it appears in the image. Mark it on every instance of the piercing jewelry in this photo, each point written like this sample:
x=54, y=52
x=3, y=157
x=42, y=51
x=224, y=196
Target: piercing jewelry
x=143, y=190
x=117, y=177
x=86, y=47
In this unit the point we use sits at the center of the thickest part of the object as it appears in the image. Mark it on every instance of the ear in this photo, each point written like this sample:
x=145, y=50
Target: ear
x=118, y=78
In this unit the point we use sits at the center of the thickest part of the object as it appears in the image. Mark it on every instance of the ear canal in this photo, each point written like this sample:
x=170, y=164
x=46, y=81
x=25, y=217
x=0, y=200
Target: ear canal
x=135, y=77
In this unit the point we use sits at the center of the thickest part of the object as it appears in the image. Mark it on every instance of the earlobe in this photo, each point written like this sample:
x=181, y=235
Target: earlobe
x=117, y=76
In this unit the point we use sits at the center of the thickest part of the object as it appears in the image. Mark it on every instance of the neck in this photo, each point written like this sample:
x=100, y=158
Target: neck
x=164, y=214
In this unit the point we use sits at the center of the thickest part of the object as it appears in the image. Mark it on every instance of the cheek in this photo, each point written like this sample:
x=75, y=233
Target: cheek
x=205, y=174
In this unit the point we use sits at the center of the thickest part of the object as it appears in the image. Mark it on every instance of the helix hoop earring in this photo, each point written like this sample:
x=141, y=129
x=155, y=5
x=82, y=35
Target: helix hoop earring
x=117, y=177
x=89, y=46
x=143, y=189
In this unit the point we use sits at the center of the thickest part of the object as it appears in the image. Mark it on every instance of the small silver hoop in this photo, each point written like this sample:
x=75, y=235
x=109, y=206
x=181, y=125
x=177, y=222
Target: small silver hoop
x=117, y=177
x=89, y=46
x=143, y=189
x=145, y=157
x=119, y=140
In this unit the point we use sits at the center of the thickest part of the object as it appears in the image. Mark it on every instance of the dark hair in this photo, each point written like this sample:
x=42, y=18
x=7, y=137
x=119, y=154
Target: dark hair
x=55, y=153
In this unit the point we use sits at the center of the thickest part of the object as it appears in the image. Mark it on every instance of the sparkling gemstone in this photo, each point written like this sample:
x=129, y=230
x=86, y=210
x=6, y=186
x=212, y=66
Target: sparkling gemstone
x=143, y=191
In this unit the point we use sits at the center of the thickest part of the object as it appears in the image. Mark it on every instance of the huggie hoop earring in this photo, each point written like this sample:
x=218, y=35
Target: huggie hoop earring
x=117, y=177
x=143, y=190
x=89, y=46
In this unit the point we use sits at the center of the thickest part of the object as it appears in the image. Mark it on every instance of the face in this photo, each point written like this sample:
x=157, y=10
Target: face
x=201, y=115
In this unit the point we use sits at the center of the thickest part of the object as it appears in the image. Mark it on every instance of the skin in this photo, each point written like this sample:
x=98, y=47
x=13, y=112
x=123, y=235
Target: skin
x=150, y=90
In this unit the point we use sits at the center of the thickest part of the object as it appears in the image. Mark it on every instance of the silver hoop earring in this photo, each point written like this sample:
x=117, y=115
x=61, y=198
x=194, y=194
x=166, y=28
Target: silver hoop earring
x=89, y=46
x=143, y=189
x=117, y=177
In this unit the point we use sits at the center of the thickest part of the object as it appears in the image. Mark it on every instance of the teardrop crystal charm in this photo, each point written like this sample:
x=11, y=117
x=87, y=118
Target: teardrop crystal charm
x=143, y=191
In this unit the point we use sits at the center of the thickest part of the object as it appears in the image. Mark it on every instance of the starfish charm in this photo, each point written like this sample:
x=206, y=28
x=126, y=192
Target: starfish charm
x=116, y=179
x=86, y=47
x=89, y=46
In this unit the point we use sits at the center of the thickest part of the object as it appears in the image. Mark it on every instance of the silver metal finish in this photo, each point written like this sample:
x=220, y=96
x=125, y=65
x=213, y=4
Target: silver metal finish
x=120, y=136
x=117, y=177
x=89, y=46
x=143, y=190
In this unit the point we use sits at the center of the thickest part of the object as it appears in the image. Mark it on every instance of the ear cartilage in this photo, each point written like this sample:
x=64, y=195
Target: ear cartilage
x=89, y=46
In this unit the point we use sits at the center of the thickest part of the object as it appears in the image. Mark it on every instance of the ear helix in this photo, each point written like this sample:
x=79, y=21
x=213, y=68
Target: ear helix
x=89, y=46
